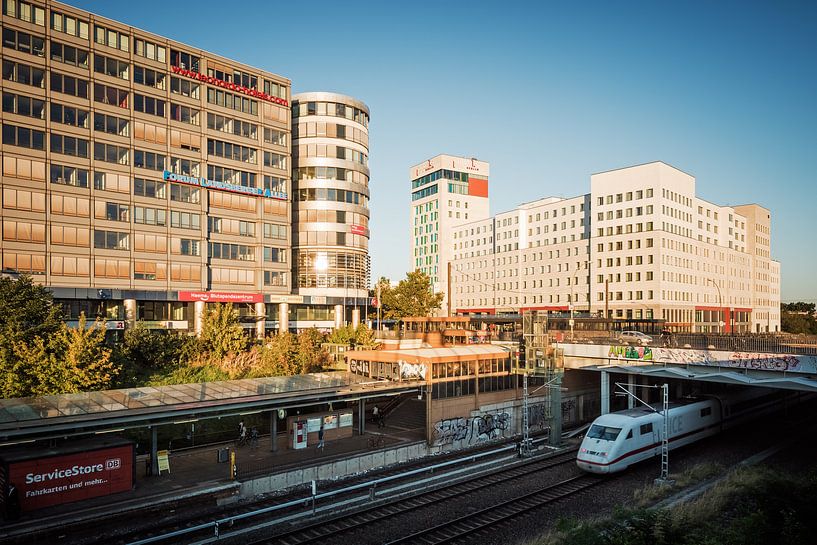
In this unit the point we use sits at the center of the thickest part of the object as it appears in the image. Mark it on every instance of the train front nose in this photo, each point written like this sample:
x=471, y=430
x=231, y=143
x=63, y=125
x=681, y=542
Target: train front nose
x=593, y=460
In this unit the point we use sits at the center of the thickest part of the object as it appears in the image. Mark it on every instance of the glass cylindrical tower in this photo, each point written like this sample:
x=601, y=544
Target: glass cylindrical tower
x=330, y=179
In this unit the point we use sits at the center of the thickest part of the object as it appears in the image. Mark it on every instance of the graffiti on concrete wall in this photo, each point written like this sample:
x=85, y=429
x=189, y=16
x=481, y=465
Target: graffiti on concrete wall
x=683, y=355
x=468, y=431
x=359, y=367
x=764, y=362
x=538, y=416
x=642, y=353
x=412, y=370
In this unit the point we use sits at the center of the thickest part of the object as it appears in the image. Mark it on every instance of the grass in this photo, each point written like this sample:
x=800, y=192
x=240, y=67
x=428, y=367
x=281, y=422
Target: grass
x=752, y=506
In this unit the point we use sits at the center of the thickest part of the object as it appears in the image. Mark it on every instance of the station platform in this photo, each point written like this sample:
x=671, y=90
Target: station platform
x=198, y=480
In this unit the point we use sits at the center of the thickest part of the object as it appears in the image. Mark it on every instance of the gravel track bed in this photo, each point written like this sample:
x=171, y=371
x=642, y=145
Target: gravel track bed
x=726, y=450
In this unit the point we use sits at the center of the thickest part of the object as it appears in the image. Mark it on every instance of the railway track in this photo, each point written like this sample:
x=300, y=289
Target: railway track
x=330, y=528
x=499, y=514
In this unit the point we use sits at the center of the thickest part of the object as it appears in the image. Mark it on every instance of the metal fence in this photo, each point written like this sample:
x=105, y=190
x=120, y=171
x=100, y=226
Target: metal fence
x=769, y=344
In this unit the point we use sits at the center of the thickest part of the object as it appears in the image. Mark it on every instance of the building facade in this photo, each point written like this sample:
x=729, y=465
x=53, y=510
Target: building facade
x=143, y=178
x=330, y=177
x=640, y=245
x=446, y=192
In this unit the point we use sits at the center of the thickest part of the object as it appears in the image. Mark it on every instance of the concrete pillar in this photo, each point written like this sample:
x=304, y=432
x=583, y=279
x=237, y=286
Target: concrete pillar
x=631, y=389
x=130, y=312
x=555, y=438
x=261, y=317
x=361, y=416
x=283, y=318
x=198, y=317
x=273, y=430
x=154, y=451
x=340, y=318
x=605, y=392
x=355, y=317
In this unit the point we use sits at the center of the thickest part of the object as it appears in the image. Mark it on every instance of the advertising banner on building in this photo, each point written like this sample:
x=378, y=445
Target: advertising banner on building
x=221, y=297
x=55, y=480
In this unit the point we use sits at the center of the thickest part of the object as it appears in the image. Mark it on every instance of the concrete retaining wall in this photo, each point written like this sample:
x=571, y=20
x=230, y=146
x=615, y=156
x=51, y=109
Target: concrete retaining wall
x=333, y=469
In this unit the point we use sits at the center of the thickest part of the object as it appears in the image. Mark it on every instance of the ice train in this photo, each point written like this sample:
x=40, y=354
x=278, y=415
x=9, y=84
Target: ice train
x=617, y=440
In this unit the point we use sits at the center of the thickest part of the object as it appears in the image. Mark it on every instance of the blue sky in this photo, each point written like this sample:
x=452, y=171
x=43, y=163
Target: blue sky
x=549, y=93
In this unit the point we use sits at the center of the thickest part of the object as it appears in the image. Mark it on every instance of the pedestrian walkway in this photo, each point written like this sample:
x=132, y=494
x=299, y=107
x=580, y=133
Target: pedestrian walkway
x=198, y=473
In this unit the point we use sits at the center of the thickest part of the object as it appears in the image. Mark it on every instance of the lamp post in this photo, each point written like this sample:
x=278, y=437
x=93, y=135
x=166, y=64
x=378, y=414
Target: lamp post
x=720, y=305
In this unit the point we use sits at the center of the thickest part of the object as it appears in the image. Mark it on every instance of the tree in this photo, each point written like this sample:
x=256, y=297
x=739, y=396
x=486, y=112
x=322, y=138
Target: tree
x=143, y=353
x=311, y=356
x=71, y=360
x=221, y=332
x=413, y=296
x=278, y=356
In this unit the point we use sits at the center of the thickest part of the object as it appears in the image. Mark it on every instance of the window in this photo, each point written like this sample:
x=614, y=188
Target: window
x=184, y=87
x=24, y=11
x=184, y=114
x=111, y=153
x=229, y=175
x=23, y=42
x=23, y=137
x=187, y=167
x=111, y=268
x=149, y=216
x=110, y=181
x=185, y=246
x=230, y=226
x=232, y=126
x=645, y=428
x=69, y=145
x=110, y=95
x=184, y=60
x=110, y=66
x=275, y=160
x=185, y=220
x=69, y=54
x=23, y=263
x=231, y=101
x=275, y=278
x=149, y=50
x=65, y=175
x=69, y=85
x=110, y=240
x=23, y=105
x=273, y=230
x=111, y=211
x=185, y=193
x=149, y=132
x=706, y=411
x=149, y=270
x=23, y=73
x=228, y=150
x=148, y=105
x=110, y=124
x=111, y=38
x=275, y=89
x=23, y=231
x=148, y=77
x=69, y=115
x=149, y=160
x=275, y=255
x=274, y=136
x=235, y=252
x=20, y=199
x=69, y=25
x=149, y=188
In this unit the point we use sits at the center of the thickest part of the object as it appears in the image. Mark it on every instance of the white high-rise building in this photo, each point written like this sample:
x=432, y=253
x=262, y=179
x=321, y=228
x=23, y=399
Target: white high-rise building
x=446, y=192
x=641, y=244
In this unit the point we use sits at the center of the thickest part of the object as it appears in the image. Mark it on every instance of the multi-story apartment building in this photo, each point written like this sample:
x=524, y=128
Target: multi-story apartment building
x=330, y=178
x=143, y=177
x=641, y=244
x=446, y=192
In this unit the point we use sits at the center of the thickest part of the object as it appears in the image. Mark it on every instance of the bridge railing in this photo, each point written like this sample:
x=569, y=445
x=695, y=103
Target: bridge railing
x=767, y=344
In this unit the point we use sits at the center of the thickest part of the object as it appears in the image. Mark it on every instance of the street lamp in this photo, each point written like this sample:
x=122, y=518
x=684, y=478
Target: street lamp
x=664, y=477
x=720, y=305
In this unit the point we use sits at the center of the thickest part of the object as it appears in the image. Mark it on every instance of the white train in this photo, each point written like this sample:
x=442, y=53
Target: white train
x=618, y=440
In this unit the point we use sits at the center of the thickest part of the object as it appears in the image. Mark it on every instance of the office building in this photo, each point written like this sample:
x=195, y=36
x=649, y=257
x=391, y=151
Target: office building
x=143, y=178
x=640, y=245
x=446, y=192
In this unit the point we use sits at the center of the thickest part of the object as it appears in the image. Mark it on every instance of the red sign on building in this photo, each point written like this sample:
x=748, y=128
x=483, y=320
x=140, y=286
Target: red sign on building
x=357, y=229
x=221, y=297
x=55, y=480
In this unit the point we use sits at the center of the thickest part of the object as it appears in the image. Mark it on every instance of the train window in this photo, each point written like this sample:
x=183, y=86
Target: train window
x=629, y=434
x=646, y=428
x=603, y=432
x=706, y=411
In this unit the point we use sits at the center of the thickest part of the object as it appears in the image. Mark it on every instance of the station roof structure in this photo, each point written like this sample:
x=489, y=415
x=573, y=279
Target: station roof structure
x=31, y=418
